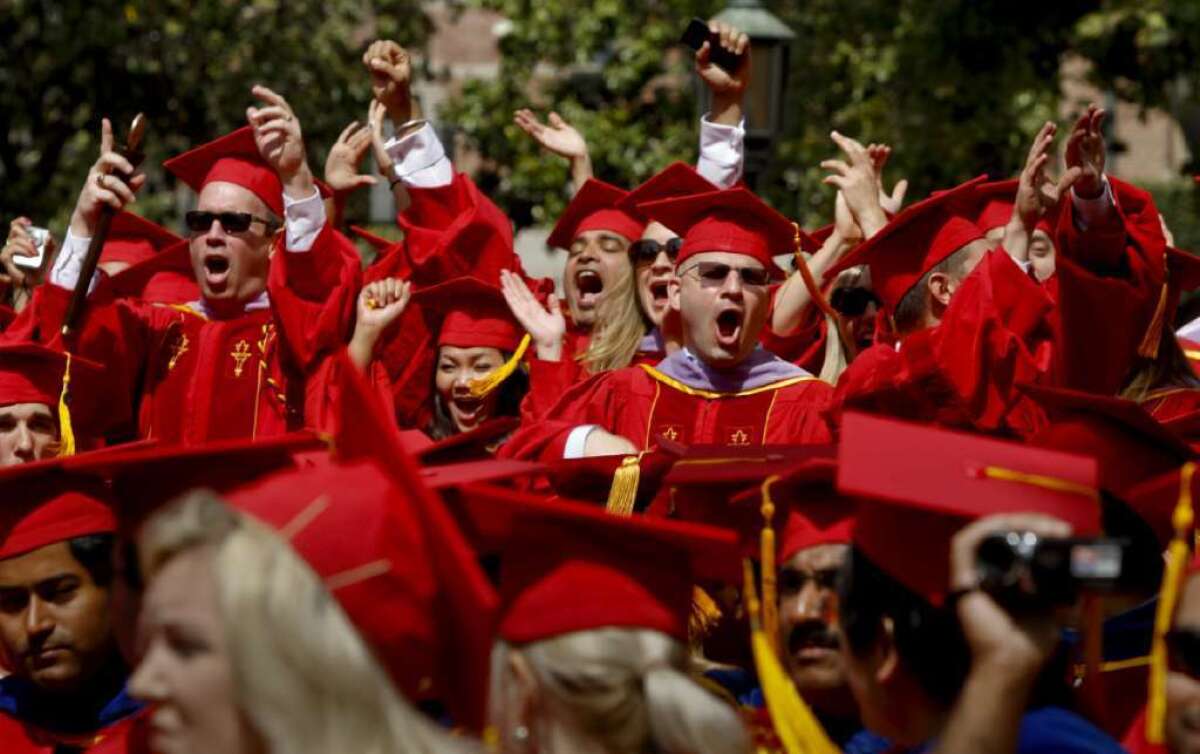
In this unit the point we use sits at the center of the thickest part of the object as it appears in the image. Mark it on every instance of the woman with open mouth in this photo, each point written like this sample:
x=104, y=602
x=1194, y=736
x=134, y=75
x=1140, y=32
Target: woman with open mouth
x=478, y=371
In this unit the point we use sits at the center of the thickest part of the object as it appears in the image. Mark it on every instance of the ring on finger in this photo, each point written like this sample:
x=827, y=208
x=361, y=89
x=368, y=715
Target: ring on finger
x=100, y=179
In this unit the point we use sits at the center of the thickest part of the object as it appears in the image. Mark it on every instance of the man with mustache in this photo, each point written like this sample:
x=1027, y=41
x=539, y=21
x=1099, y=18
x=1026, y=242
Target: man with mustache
x=722, y=388
x=66, y=690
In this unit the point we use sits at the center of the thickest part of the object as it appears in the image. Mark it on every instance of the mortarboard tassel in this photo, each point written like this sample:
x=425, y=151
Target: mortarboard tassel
x=770, y=604
x=1177, y=556
x=623, y=493
x=486, y=384
x=794, y=722
x=814, y=291
x=66, y=431
x=1153, y=337
x=705, y=615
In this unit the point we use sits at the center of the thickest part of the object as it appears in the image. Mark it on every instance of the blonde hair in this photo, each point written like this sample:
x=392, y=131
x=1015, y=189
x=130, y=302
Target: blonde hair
x=303, y=675
x=1168, y=369
x=626, y=690
x=620, y=326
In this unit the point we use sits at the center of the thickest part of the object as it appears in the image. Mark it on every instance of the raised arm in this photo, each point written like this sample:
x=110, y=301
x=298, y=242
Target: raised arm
x=561, y=138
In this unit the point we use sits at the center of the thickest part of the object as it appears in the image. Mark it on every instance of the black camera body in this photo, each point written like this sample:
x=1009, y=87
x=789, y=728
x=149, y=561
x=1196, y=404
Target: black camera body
x=1026, y=572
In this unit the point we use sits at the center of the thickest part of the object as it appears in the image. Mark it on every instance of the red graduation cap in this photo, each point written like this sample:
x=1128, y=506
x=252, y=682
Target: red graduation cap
x=672, y=182
x=464, y=611
x=472, y=314
x=233, y=158
x=474, y=444
x=733, y=220
x=481, y=470
x=134, y=239
x=915, y=241
x=165, y=278
x=44, y=505
x=1129, y=444
x=994, y=204
x=71, y=385
x=923, y=484
x=1183, y=274
x=596, y=206
x=568, y=567
x=809, y=511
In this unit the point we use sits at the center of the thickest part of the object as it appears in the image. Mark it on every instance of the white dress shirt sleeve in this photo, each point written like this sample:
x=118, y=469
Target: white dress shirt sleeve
x=1088, y=212
x=722, y=152
x=303, y=220
x=69, y=264
x=577, y=441
x=420, y=159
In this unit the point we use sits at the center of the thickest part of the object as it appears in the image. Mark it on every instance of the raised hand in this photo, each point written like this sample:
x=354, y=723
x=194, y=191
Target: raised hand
x=380, y=303
x=18, y=244
x=557, y=135
x=111, y=182
x=727, y=88
x=1087, y=151
x=390, y=66
x=856, y=180
x=546, y=328
x=893, y=202
x=280, y=142
x=341, y=166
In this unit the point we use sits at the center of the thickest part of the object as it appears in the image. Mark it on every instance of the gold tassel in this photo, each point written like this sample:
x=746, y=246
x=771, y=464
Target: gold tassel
x=797, y=727
x=486, y=384
x=1148, y=349
x=705, y=615
x=818, y=298
x=623, y=493
x=770, y=604
x=66, y=431
x=1177, y=557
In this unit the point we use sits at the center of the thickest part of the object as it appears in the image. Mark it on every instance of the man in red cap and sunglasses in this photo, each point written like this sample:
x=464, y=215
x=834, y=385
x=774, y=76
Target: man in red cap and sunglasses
x=232, y=363
x=722, y=387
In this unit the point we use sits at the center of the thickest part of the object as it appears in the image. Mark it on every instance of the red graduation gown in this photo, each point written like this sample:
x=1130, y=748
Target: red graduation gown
x=121, y=737
x=642, y=405
x=1110, y=281
x=196, y=379
x=997, y=332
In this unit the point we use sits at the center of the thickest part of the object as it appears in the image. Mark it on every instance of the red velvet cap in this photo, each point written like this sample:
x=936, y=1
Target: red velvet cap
x=473, y=314
x=233, y=158
x=1129, y=444
x=733, y=220
x=591, y=479
x=923, y=485
x=809, y=511
x=914, y=242
x=474, y=444
x=675, y=180
x=165, y=278
x=33, y=373
x=465, y=607
x=132, y=239
x=44, y=505
x=596, y=206
x=567, y=567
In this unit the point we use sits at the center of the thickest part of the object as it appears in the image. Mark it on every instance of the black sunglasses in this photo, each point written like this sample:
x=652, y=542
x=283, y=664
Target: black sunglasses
x=714, y=274
x=1183, y=651
x=852, y=301
x=233, y=222
x=647, y=249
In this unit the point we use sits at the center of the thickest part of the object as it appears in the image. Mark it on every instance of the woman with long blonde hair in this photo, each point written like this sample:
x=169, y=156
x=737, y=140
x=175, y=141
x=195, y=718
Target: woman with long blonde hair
x=244, y=650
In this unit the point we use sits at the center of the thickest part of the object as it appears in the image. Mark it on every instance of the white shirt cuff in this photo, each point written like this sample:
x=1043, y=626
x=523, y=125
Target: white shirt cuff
x=303, y=219
x=1024, y=264
x=577, y=441
x=69, y=264
x=420, y=159
x=1190, y=331
x=722, y=152
x=1088, y=212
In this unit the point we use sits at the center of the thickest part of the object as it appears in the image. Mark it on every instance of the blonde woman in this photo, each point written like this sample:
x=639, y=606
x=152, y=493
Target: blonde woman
x=244, y=650
x=592, y=654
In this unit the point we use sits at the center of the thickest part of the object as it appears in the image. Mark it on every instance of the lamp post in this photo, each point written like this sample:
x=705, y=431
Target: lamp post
x=770, y=41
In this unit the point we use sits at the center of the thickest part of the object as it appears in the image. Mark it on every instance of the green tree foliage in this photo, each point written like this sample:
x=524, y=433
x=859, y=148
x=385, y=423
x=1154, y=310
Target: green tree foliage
x=957, y=86
x=187, y=64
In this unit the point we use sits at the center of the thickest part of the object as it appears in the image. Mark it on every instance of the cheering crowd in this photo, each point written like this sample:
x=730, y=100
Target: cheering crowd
x=917, y=481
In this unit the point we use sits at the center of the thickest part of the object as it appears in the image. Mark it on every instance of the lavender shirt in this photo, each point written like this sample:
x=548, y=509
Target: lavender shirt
x=760, y=368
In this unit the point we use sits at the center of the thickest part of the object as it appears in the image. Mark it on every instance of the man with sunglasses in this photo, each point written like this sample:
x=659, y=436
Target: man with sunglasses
x=722, y=387
x=272, y=304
